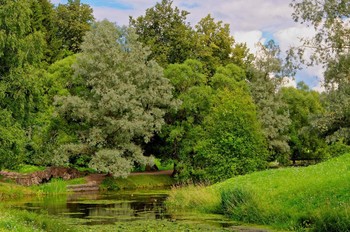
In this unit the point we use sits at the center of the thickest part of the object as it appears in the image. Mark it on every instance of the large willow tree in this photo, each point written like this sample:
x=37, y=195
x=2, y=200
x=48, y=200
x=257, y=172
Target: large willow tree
x=121, y=103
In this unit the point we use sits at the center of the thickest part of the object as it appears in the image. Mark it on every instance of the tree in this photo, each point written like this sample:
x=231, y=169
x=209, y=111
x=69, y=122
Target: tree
x=172, y=40
x=193, y=133
x=265, y=78
x=21, y=52
x=331, y=48
x=329, y=18
x=121, y=103
x=176, y=141
x=303, y=105
x=214, y=43
x=232, y=141
x=164, y=29
x=334, y=125
x=12, y=140
x=50, y=131
x=20, y=45
x=44, y=19
x=74, y=19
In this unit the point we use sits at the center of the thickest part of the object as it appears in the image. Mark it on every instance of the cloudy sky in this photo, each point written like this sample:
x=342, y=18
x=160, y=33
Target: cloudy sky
x=251, y=21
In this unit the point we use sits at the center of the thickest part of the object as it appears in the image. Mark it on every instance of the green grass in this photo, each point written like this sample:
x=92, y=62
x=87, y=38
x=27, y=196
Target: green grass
x=10, y=191
x=24, y=221
x=25, y=169
x=164, y=165
x=163, y=225
x=310, y=198
x=137, y=182
x=57, y=186
x=161, y=165
x=81, y=180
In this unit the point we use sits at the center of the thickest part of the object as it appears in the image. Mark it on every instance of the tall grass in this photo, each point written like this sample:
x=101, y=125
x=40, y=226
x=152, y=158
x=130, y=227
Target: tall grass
x=57, y=186
x=313, y=198
x=10, y=191
x=24, y=221
x=198, y=197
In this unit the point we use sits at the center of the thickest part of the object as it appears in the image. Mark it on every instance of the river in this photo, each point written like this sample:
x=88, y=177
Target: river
x=98, y=208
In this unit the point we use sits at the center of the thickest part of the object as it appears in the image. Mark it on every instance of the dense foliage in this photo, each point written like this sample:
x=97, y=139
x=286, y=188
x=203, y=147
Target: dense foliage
x=121, y=103
x=82, y=93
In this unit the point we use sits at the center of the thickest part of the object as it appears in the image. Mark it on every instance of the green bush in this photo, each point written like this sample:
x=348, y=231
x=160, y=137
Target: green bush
x=232, y=143
x=109, y=184
x=338, y=148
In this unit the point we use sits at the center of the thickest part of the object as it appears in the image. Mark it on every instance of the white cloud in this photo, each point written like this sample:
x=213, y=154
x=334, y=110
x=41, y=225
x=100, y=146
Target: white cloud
x=121, y=17
x=244, y=15
x=290, y=36
x=319, y=88
x=251, y=38
x=289, y=82
x=57, y=1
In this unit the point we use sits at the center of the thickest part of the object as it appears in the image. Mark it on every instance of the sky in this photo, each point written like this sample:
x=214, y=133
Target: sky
x=251, y=21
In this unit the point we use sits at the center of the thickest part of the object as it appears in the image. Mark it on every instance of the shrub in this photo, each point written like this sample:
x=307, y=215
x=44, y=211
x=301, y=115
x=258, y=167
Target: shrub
x=109, y=184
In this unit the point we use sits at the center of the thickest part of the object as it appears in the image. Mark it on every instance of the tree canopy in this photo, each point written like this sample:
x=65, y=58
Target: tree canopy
x=123, y=104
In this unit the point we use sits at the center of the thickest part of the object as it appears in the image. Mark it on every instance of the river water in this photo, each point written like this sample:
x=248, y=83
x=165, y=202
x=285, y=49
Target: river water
x=103, y=208
x=95, y=208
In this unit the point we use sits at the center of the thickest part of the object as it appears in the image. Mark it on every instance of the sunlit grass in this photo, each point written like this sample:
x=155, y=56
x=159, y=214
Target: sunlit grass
x=57, y=186
x=137, y=182
x=10, y=191
x=24, y=221
x=25, y=169
x=316, y=197
x=198, y=197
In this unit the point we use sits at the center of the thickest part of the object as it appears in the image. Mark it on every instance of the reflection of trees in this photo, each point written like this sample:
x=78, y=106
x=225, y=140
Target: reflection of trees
x=146, y=207
x=53, y=205
x=105, y=209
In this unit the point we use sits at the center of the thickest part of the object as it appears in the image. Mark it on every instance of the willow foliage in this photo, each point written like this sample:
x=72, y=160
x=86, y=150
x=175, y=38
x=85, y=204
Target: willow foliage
x=122, y=104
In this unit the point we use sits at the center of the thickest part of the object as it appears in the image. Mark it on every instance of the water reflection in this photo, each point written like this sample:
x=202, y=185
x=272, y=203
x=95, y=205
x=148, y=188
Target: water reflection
x=97, y=208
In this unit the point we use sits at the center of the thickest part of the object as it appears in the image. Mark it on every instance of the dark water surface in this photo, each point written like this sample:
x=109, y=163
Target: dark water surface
x=96, y=208
x=103, y=208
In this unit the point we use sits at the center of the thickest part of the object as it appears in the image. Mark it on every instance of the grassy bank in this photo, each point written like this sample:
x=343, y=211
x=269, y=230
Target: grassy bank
x=10, y=191
x=21, y=220
x=137, y=182
x=313, y=198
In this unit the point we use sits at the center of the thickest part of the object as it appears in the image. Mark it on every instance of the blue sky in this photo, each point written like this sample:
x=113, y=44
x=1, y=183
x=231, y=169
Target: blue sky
x=251, y=21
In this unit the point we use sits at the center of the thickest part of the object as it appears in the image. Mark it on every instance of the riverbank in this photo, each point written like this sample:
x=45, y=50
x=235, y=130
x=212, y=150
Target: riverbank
x=315, y=198
x=21, y=220
x=15, y=219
